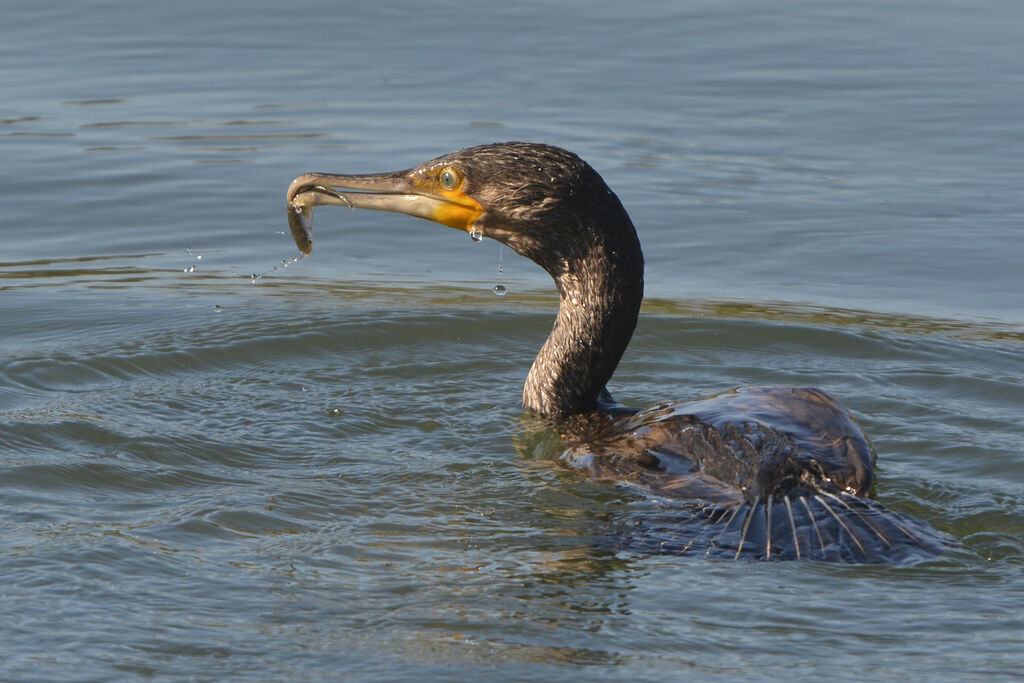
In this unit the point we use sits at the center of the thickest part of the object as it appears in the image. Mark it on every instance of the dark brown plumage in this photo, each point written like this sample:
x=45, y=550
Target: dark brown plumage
x=771, y=472
x=562, y=216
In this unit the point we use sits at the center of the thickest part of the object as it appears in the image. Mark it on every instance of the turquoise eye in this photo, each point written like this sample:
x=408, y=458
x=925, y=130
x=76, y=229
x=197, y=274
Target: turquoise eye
x=449, y=179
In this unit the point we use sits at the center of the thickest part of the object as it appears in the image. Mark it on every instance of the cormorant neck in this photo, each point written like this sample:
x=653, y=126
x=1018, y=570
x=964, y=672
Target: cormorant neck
x=600, y=287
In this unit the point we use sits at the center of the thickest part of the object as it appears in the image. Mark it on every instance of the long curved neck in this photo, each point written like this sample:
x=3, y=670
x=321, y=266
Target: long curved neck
x=600, y=287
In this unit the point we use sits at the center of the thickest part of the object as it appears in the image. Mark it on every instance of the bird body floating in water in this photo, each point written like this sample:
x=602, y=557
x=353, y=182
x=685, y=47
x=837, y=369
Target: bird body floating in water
x=766, y=472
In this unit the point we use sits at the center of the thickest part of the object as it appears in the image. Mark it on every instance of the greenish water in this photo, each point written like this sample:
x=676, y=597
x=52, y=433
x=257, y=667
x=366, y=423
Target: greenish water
x=323, y=474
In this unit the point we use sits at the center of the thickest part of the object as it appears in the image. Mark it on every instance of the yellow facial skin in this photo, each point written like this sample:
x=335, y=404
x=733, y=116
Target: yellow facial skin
x=457, y=210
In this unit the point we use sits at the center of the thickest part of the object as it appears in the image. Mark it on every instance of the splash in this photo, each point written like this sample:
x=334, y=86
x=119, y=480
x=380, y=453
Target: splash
x=189, y=251
x=256, y=277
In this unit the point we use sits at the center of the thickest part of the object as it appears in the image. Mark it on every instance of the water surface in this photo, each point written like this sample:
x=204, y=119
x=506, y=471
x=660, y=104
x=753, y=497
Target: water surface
x=323, y=474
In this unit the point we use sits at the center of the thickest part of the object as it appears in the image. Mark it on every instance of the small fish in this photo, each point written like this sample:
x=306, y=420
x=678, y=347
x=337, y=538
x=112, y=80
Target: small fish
x=300, y=221
x=300, y=214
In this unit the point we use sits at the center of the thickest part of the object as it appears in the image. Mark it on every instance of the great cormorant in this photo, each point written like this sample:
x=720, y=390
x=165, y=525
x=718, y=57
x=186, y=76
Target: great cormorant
x=766, y=472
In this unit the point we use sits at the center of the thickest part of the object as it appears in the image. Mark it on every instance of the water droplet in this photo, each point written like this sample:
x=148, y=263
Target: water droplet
x=334, y=412
x=500, y=290
x=216, y=308
x=280, y=232
x=254, y=277
x=190, y=269
x=199, y=257
x=476, y=234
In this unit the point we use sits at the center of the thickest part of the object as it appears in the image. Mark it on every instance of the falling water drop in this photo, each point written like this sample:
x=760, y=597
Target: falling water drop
x=500, y=289
x=190, y=269
x=476, y=234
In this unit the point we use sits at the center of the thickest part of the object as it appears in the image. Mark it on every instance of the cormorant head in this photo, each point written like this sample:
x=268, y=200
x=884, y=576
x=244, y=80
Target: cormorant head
x=542, y=201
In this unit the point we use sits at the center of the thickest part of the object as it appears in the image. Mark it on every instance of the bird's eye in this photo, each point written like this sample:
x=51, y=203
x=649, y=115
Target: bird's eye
x=449, y=179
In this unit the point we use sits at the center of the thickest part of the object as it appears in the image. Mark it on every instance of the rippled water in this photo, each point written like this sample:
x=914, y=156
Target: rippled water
x=323, y=474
